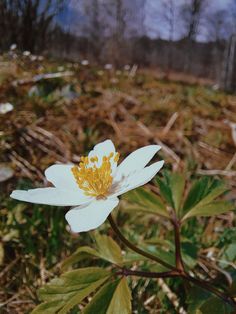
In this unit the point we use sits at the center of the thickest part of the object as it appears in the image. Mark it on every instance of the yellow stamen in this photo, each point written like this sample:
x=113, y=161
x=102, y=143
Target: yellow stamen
x=93, y=180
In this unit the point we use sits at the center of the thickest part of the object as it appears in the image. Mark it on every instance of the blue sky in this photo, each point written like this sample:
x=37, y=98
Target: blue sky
x=155, y=27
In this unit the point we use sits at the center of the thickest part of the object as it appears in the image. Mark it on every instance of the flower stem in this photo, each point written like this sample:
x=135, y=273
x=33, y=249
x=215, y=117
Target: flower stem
x=147, y=274
x=135, y=248
x=177, y=271
x=178, y=257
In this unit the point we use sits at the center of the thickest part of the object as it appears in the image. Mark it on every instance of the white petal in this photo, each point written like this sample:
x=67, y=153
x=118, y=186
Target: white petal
x=138, y=178
x=61, y=176
x=91, y=216
x=102, y=149
x=51, y=196
x=136, y=160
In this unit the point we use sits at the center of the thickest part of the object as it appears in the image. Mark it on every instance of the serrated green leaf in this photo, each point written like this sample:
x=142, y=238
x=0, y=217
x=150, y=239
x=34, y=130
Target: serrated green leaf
x=212, y=209
x=63, y=293
x=102, y=299
x=80, y=254
x=203, y=192
x=108, y=249
x=146, y=201
x=172, y=188
x=197, y=192
x=212, y=195
x=165, y=191
x=80, y=295
x=176, y=183
x=121, y=300
x=48, y=307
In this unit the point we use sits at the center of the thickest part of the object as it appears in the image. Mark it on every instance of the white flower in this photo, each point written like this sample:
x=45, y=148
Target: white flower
x=85, y=62
x=127, y=67
x=108, y=66
x=6, y=107
x=13, y=47
x=100, y=73
x=26, y=53
x=93, y=186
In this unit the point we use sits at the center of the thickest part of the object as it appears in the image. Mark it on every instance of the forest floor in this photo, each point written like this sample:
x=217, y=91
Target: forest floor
x=58, y=117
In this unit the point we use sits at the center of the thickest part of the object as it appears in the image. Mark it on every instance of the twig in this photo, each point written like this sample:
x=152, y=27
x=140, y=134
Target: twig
x=171, y=296
x=170, y=123
x=231, y=163
x=215, y=172
x=41, y=77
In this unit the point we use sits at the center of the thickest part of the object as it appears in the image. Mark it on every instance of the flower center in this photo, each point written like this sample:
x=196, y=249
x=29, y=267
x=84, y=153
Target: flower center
x=95, y=180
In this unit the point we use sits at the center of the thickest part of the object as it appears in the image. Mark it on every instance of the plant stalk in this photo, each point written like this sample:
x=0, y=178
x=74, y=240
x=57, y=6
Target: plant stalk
x=135, y=248
x=178, y=256
x=177, y=271
x=146, y=274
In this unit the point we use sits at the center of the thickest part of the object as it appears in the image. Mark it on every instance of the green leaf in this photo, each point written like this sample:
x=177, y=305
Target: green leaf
x=121, y=300
x=108, y=249
x=216, y=306
x=212, y=195
x=165, y=190
x=204, y=190
x=143, y=200
x=195, y=298
x=177, y=184
x=102, y=299
x=80, y=254
x=172, y=188
x=51, y=307
x=196, y=193
x=65, y=292
x=214, y=208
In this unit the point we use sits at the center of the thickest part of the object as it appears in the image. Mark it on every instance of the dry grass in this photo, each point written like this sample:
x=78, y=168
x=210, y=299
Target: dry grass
x=190, y=122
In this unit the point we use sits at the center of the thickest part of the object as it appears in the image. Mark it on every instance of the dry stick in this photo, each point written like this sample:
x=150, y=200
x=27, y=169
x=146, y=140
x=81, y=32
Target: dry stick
x=231, y=163
x=170, y=123
x=171, y=296
x=215, y=172
x=134, y=248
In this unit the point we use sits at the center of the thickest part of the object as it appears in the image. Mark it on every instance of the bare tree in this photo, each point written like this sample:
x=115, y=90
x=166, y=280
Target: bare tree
x=191, y=13
x=27, y=22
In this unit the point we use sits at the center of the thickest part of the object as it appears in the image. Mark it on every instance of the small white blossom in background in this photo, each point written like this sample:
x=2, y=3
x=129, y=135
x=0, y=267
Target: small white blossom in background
x=13, y=47
x=60, y=68
x=92, y=188
x=118, y=72
x=84, y=62
x=114, y=80
x=40, y=58
x=33, y=58
x=108, y=66
x=100, y=73
x=127, y=67
x=6, y=107
x=26, y=53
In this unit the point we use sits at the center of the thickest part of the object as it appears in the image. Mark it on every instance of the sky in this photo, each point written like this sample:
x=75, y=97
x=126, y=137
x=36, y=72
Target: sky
x=73, y=17
x=153, y=28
